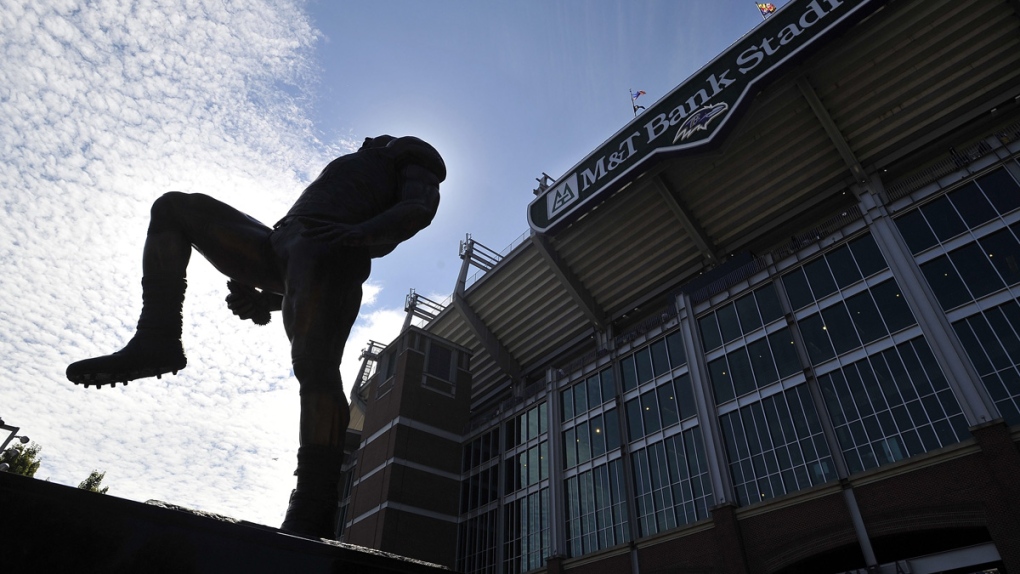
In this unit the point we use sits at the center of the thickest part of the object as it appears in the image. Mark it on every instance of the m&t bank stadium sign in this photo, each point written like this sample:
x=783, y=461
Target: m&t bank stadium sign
x=698, y=113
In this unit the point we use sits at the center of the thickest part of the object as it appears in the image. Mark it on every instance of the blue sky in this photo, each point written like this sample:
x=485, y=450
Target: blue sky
x=106, y=104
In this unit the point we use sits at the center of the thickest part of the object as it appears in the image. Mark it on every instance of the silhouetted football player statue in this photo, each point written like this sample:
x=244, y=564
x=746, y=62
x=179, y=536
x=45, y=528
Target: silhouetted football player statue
x=311, y=264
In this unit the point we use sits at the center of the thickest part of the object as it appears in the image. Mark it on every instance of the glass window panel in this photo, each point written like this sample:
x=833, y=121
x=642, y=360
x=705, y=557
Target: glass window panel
x=975, y=270
x=973, y=347
x=871, y=385
x=892, y=306
x=972, y=205
x=743, y=377
x=570, y=448
x=594, y=392
x=567, y=401
x=916, y=232
x=668, y=410
x=1003, y=251
x=831, y=398
x=598, y=436
x=628, y=373
x=930, y=364
x=865, y=317
x=709, y=332
x=796, y=285
x=583, y=443
x=721, y=381
x=785, y=353
x=866, y=252
x=816, y=339
x=612, y=425
x=844, y=269
x=857, y=392
x=1012, y=313
x=747, y=310
x=608, y=388
x=634, y=427
x=685, y=396
x=543, y=417
x=643, y=359
x=838, y=380
x=820, y=278
x=1007, y=337
x=1001, y=190
x=993, y=349
x=840, y=328
x=675, y=344
x=534, y=466
x=915, y=369
x=749, y=428
x=768, y=303
x=943, y=219
x=650, y=412
x=771, y=410
x=762, y=363
x=580, y=398
x=945, y=282
x=728, y=324
x=660, y=360
x=885, y=381
x=928, y=437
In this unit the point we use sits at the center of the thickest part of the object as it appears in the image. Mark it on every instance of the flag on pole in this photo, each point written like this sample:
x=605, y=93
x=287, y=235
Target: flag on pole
x=766, y=8
x=633, y=100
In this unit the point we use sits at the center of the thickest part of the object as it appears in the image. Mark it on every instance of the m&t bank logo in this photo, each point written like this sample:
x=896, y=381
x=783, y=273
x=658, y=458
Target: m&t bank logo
x=562, y=196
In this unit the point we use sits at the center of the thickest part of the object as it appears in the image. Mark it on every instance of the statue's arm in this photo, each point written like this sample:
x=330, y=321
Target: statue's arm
x=250, y=303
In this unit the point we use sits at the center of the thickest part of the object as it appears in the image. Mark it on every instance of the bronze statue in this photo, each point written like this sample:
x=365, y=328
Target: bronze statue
x=311, y=264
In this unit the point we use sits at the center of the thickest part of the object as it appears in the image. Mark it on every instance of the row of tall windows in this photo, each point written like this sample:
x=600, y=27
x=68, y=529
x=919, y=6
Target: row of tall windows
x=892, y=405
x=992, y=341
x=671, y=482
x=596, y=508
x=776, y=446
x=595, y=504
x=668, y=467
x=967, y=244
x=526, y=511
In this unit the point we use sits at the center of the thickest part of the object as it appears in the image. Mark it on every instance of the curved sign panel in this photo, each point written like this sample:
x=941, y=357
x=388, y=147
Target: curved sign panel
x=696, y=114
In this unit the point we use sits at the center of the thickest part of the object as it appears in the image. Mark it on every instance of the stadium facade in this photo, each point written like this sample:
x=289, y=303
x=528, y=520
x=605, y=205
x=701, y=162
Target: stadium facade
x=771, y=325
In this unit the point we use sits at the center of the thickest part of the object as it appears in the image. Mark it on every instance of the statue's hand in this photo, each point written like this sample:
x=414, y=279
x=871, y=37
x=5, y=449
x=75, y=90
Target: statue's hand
x=248, y=303
x=332, y=232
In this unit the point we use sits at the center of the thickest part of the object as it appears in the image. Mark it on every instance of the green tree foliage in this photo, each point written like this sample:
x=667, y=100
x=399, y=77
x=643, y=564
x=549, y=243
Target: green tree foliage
x=92, y=483
x=23, y=460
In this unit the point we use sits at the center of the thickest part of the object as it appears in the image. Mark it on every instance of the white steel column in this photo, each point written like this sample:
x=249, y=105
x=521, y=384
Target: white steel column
x=708, y=419
x=977, y=406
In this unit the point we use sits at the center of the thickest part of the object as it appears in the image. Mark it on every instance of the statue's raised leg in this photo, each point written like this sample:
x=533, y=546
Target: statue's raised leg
x=234, y=243
x=155, y=349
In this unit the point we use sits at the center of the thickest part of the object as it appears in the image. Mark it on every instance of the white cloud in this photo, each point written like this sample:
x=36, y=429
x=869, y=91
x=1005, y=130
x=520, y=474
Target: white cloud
x=102, y=109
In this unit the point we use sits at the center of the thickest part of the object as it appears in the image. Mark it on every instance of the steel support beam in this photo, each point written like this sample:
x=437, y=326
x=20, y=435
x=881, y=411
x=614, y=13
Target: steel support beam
x=830, y=128
x=504, y=360
x=680, y=211
x=570, y=282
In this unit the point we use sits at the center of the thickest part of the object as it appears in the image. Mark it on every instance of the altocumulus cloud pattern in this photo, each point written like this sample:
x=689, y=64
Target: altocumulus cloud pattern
x=105, y=105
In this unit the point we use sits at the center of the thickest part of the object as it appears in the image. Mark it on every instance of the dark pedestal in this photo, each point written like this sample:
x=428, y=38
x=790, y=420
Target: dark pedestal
x=47, y=527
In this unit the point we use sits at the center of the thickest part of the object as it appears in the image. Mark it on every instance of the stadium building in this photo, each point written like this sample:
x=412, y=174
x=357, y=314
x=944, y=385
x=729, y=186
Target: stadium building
x=769, y=326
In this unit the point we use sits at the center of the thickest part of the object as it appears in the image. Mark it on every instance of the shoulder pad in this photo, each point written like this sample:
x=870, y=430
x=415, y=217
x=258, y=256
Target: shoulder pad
x=411, y=150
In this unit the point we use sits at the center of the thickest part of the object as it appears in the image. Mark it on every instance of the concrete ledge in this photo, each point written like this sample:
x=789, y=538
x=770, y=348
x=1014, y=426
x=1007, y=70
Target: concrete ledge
x=53, y=528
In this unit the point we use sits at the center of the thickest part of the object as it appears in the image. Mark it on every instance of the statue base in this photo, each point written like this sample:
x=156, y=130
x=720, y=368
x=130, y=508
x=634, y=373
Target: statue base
x=48, y=527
